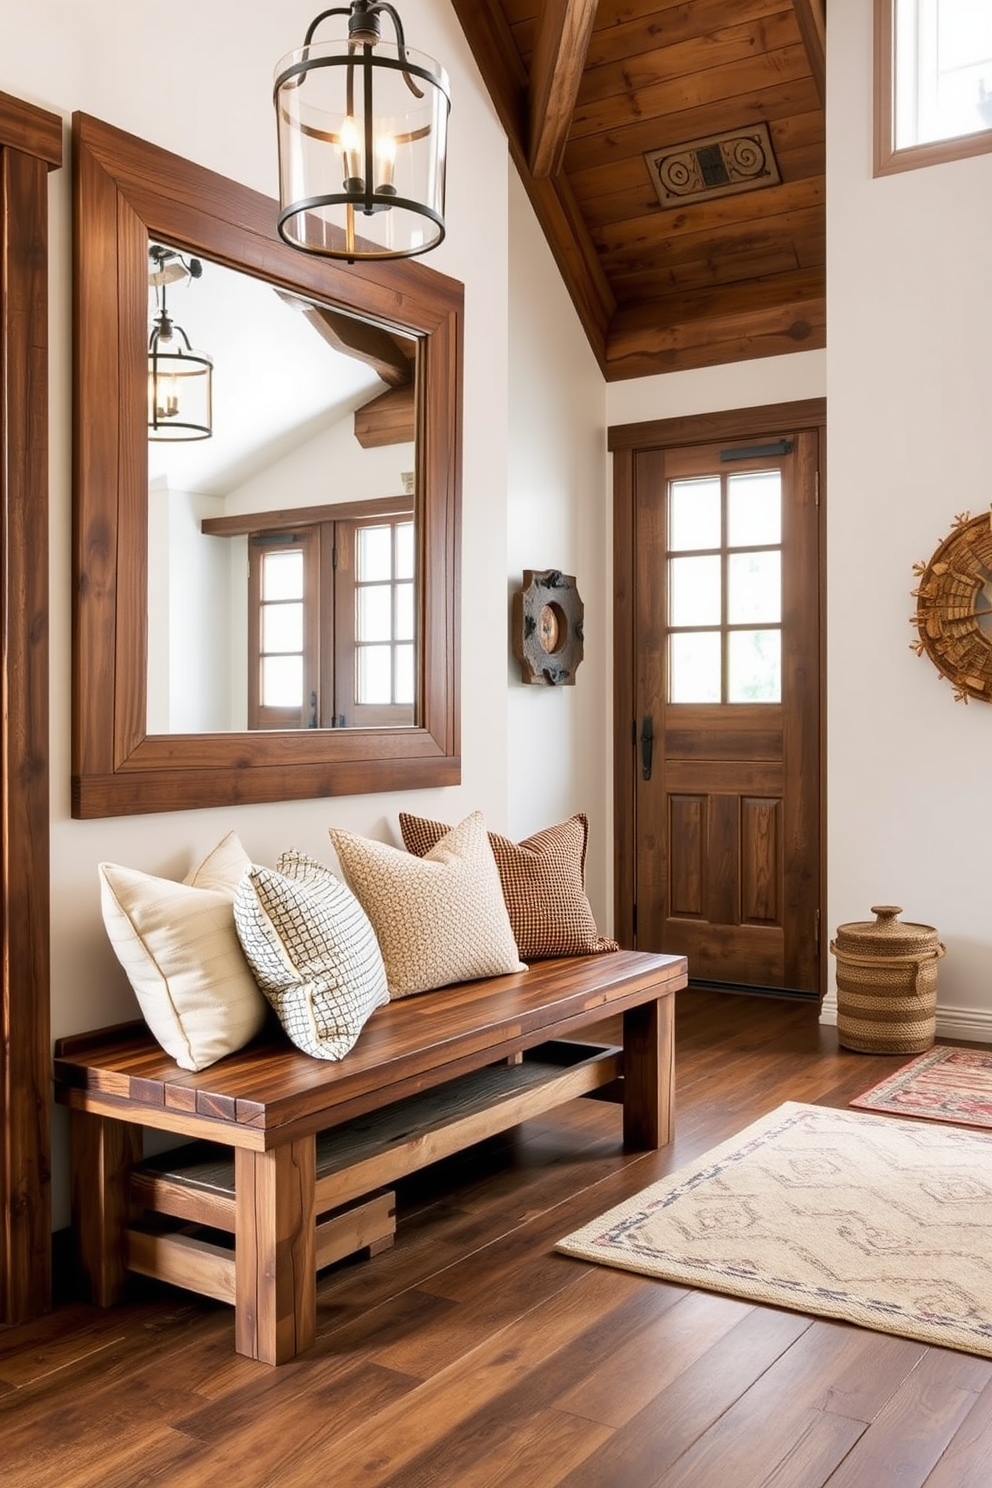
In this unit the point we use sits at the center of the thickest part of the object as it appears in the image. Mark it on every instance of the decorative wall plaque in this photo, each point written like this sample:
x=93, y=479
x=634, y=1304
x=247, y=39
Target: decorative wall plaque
x=954, y=607
x=716, y=165
x=547, y=627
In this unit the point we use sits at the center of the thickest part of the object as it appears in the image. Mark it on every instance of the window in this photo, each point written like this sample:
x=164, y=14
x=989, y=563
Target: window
x=332, y=621
x=725, y=588
x=933, y=90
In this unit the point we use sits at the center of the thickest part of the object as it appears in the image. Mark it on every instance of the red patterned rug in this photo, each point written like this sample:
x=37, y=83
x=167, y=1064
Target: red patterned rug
x=944, y=1084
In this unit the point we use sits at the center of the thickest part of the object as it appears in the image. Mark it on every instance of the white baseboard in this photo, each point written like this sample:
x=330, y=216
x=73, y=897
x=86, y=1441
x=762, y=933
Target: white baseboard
x=972, y=1024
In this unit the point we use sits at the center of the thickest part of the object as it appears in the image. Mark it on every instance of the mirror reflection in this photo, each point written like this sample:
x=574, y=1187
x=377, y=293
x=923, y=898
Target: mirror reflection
x=281, y=548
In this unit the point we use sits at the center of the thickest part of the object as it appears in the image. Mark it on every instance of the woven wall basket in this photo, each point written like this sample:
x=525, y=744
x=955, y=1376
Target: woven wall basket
x=886, y=984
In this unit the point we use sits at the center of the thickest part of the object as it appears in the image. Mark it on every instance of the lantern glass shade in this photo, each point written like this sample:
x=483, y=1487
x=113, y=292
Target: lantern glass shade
x=180, y=393
x=362, y=147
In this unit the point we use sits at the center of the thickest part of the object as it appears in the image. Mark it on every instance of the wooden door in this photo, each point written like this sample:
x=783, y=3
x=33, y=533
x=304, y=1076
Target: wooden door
x=725, y=684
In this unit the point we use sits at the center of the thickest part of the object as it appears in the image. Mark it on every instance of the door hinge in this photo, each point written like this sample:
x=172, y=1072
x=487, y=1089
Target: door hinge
x=816, y=481
x=817, y=929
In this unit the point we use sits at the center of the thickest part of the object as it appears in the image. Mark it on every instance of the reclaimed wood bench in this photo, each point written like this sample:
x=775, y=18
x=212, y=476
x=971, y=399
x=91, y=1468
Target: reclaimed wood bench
x=292, y=1140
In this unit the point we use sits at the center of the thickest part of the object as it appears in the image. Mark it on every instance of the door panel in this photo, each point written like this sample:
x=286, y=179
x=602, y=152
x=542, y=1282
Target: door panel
x=726, y=606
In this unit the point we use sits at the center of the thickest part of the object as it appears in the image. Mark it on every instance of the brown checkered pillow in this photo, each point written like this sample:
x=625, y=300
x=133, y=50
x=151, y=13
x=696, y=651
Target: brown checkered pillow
x=543, y=881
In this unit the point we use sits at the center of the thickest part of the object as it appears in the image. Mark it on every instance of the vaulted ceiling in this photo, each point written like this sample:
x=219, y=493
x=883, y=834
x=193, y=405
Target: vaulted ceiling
x=674, y=154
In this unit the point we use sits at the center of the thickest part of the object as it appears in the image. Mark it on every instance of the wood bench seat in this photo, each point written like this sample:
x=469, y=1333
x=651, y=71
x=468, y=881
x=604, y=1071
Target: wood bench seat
x=293, y=1139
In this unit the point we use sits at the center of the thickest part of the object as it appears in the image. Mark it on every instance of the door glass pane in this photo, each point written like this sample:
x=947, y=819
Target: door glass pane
x=754, y=587
x=375, y=680
x=282, y=576
x=694, y=591
x=754, y=509
x=282, y=627
x=282, y=681
x=375, y=554
x=375, y=613
x=694, y=514
x=404, y=674
x=694, y=667
x=404, y=550
x=755, y=666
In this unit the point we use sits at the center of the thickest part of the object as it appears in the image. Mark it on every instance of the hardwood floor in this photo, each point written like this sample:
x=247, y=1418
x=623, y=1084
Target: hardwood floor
x=471, y=1354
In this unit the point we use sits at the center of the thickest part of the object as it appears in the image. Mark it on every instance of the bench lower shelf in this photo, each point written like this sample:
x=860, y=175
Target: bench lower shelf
x=195, y=1184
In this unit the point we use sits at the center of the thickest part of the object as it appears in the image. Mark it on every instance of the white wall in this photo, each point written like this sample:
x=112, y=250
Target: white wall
x=203, y=89
x=558, y=516
x=910, y=445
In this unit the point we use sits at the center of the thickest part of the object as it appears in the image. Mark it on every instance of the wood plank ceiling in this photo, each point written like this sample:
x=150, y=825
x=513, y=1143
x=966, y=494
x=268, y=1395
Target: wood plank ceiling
x=587, y=90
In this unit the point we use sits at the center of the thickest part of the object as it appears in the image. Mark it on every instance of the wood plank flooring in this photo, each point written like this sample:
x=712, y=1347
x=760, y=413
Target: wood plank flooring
x=471, y=1355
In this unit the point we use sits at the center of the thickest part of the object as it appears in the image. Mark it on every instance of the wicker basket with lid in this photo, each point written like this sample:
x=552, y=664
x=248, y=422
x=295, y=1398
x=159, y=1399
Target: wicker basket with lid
x=886, y=983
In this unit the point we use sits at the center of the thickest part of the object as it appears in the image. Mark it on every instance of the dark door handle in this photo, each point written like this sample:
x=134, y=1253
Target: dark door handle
x=647, y=746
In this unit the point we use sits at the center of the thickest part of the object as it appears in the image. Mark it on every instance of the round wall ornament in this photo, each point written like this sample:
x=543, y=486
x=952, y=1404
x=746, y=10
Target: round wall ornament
x=547, y=627
x=954, y=607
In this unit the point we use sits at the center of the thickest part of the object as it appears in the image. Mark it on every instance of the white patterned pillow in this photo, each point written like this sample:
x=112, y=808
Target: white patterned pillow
x=440, y=918
x=178, y=945
x=313, y=951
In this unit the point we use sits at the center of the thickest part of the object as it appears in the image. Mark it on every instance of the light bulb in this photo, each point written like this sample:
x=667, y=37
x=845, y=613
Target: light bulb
x=385, y=155
x=351, y=151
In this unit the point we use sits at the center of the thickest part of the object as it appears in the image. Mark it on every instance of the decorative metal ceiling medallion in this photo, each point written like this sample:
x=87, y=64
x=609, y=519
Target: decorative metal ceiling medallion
x=716, y=165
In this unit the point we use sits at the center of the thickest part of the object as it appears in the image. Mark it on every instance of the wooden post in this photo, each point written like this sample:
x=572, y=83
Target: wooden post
x=30, y=145
x=103, y=1152
x=649, y=1074
x=275, y=1264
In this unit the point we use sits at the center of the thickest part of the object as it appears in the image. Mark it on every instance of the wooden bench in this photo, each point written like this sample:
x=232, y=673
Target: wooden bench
x=293, y=1139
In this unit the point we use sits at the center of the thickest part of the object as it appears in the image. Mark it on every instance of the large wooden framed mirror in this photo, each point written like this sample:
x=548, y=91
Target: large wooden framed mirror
x=130, y=199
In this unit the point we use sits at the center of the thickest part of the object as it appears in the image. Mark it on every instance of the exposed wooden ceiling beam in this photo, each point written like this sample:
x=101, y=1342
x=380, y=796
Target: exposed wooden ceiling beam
x=812, y=20
x=491, y=41
x=356, y=338
x=733, y=323
x=564, y=29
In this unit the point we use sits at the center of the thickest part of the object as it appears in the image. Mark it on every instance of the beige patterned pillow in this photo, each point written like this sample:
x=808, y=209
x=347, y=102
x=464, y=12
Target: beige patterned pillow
x=313, y=951
x=178, y=945
x=440, y=918
x=543, y=881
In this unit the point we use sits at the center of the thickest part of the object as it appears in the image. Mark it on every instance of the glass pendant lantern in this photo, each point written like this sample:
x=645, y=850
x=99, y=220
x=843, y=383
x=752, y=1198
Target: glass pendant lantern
x=362, y=126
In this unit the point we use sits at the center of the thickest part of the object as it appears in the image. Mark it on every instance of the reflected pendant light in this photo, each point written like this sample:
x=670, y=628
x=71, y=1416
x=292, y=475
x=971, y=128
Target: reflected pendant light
x=180, y=380
x=363, y=126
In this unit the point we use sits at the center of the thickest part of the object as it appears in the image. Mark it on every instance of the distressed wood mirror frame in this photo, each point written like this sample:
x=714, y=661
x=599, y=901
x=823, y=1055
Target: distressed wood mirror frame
x=30, y=146
x=125, y=191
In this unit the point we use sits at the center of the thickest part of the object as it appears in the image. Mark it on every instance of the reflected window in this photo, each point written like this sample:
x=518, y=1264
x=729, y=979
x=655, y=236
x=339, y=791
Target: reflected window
x=332, y=623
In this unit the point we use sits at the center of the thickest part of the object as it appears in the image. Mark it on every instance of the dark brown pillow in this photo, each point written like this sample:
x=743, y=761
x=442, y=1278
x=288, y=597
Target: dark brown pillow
x=543, y=881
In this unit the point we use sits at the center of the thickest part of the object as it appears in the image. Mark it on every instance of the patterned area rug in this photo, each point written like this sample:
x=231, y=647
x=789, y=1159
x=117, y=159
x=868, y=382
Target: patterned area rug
x=943, y=1084
x=886, y=1224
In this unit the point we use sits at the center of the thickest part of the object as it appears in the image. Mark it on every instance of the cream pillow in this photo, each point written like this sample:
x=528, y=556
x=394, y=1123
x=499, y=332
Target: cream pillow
x=178, y=945
x=440, y=918
x=313, y=952
x=223, y=868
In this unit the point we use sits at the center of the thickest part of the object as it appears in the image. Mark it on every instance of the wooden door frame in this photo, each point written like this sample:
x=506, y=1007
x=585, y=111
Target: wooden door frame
x=626, y=442
x=30, y=146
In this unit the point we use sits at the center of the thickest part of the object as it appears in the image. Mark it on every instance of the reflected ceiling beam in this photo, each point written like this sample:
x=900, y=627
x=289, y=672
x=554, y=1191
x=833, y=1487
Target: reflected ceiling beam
x=388, y=419
x=812, y=21
x=356, y=338
x=564, y=29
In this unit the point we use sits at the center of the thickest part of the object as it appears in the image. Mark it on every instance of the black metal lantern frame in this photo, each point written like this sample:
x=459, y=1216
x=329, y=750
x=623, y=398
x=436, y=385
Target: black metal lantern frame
x=180, y=380
x=362, y=141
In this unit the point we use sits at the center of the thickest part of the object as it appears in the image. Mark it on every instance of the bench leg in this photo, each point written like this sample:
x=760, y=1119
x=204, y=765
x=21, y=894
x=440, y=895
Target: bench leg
x=649, y=1074
x=102, y=1153
x=275, y=1313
